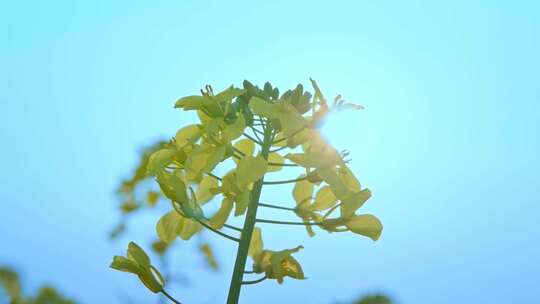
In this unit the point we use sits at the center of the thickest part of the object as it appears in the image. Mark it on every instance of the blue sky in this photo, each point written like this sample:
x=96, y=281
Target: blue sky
x=448, y=142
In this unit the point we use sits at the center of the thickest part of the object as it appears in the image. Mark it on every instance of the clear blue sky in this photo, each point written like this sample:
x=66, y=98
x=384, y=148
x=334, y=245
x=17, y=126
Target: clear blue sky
x=448, y=142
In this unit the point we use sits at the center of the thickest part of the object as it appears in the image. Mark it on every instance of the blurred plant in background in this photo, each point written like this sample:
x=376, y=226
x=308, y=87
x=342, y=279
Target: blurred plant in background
x=137, y=194
x=11, y=292
x=10, y=284
x=374, y=299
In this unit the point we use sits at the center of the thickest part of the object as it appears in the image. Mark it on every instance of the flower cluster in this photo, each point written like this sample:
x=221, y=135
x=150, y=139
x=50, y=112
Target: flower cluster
x=254, y=128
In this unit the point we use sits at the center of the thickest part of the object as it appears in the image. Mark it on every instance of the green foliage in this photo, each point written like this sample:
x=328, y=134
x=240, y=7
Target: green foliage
x=10, y=282
x=374, y=299
x=47, y=295
x=254, y=128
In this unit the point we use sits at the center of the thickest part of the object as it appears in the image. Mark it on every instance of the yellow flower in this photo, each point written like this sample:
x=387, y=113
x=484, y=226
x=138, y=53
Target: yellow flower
x=275, y=264
x=138, y=262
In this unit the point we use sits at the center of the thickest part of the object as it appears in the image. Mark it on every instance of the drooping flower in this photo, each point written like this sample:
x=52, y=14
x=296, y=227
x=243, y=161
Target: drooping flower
x=138, y=263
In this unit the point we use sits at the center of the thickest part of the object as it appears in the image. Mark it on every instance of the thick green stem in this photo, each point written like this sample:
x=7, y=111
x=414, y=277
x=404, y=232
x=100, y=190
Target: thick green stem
x=247, y=231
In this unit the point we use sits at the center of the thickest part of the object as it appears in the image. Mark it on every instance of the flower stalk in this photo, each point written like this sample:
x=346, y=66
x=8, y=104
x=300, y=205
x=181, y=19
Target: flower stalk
x=249, y=224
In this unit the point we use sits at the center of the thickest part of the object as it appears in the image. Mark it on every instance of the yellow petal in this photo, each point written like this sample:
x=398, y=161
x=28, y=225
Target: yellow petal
x=168, y=227
x=242, y=202
x=137, y=254
x=218, y=220
x=122, y=264
x=209, y=255
x=160, y=159
x=152, y=197
x=250, y=169
x=276, y=159
x=234, y=130
x=324, y=199
x=302, y=191
x=187, y=135
x=203, y=192
x=246, y=146
x=366, y=225
x=351, y=203
x=188, y=228
x=256, y=245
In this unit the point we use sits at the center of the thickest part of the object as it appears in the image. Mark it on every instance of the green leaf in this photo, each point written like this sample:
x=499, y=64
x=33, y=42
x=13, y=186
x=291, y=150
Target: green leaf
x=250, y=169
x=366, y=225
x=169, y=226
x=10, y=281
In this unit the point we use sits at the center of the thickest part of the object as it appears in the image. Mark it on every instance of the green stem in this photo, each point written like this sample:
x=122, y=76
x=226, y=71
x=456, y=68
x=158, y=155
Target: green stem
x=278, y=149
x=253, y=139
x=232, y=238
x=254, y=281
x=235, y=150
x=289, y=181
x=249, y=224
x=170, y=297
x=327, y=214
x=276, y=207
x=289, y=223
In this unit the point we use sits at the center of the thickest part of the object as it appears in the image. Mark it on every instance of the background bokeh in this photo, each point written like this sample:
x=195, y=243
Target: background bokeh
x=448, y=142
